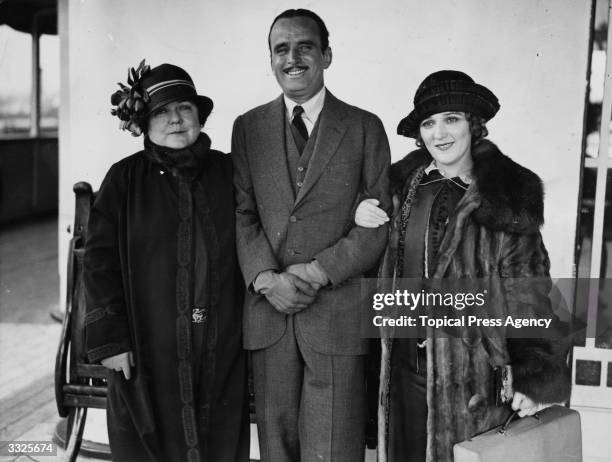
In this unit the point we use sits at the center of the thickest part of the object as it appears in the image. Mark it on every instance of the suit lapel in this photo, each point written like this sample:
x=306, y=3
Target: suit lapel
x=273, y=158
x=331, y=132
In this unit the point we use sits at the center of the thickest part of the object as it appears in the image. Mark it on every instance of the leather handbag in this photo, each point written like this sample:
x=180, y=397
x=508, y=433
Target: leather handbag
x=553, y=434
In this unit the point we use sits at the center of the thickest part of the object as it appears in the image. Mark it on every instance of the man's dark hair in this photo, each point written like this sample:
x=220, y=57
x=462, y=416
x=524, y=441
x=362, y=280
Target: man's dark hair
x=303, y=13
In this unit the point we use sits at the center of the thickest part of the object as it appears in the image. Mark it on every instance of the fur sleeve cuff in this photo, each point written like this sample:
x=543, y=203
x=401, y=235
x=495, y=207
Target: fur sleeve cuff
x=541, y=375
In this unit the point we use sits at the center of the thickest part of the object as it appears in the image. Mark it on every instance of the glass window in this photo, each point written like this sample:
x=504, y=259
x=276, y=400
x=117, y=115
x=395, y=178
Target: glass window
x=15, y=81
x=49, y=83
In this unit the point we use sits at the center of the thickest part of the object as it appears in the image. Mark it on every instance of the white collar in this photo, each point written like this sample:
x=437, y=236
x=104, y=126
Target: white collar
x=431, y=167
x=312, y=107
x=465, y=177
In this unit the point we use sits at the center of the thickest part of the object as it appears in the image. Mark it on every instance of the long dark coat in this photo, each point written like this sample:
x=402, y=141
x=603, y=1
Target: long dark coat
x=493, y=233
x=139, y=277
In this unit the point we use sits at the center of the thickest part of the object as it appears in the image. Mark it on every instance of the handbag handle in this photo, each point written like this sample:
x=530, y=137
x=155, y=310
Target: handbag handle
x=509, y=420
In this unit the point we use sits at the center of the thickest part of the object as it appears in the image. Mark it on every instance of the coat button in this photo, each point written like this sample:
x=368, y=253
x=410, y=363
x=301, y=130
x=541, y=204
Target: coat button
x=300, y=169
x=292, y=219
x=299, y=184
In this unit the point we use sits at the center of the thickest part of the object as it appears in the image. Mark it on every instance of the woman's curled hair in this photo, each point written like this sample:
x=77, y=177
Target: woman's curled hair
x=478, y=129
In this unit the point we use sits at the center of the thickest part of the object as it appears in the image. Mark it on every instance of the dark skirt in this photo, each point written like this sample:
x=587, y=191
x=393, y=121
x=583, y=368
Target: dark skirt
x=407, y=403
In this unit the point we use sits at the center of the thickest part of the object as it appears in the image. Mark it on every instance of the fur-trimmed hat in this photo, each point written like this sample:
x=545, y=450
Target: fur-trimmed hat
x=448, y=91
x=149, y=89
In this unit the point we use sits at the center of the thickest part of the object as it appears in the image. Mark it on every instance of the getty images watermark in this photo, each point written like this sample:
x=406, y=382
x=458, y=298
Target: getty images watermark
x=512, y=307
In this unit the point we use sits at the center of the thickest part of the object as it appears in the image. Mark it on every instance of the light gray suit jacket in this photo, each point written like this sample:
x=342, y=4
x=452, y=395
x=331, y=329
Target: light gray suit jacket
x=275, y=228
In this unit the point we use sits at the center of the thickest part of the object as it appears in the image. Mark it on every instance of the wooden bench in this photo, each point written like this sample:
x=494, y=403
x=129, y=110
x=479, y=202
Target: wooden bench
x=79, y=385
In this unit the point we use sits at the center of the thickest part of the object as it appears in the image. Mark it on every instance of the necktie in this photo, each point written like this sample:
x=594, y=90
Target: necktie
x=298, y=122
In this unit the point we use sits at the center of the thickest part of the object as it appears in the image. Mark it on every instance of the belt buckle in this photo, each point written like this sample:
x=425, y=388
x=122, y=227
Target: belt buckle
x=198, y=315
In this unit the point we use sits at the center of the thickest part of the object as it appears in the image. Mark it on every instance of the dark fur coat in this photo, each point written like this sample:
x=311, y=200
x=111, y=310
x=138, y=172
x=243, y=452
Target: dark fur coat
x=493, y=233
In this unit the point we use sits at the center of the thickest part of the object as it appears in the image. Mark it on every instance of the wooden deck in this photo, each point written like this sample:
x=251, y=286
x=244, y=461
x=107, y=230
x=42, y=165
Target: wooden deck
x=29, y=292
x=27, y=356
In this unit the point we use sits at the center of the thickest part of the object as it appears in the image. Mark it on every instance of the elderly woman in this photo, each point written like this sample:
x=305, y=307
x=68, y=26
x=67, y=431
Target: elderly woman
x=162, y=287
x=463, y=210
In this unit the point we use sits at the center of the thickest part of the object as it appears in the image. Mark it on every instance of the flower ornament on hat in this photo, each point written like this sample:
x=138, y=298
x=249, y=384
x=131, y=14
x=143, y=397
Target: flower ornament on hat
x=445, y=91
x=151, y=88
x=131, y=101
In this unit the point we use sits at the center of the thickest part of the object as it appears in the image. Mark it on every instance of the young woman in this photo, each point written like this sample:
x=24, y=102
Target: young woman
x=463, y=210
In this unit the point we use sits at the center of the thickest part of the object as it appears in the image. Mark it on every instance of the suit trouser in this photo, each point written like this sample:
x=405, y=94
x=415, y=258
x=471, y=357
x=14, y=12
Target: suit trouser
x=310, y=406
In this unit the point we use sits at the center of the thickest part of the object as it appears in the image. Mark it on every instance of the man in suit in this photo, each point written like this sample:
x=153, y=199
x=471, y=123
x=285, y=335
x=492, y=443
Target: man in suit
x=301, y=164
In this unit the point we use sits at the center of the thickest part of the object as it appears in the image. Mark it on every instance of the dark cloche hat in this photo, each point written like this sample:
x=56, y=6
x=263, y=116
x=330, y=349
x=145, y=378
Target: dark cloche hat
x=149, y=89
x=448, y=91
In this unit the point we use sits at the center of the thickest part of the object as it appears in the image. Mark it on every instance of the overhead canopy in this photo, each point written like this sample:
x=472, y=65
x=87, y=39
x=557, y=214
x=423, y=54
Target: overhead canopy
x=20, y=14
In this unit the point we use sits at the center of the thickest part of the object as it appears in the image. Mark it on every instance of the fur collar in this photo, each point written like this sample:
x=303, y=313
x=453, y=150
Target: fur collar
x=512, y=196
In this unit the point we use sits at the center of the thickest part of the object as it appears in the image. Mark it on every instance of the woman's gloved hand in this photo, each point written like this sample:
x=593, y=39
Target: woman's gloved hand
x=526, y=406
x=369, y=215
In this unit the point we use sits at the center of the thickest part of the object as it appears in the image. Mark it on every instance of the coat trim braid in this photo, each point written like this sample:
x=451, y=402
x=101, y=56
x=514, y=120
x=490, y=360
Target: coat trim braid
x=183, y=297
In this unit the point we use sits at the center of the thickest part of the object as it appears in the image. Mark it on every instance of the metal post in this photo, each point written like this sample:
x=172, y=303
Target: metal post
x=600, y=193
x=35, y=96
